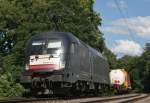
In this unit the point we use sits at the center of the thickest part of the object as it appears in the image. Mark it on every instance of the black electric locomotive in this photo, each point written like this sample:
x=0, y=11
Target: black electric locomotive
x=57, y=62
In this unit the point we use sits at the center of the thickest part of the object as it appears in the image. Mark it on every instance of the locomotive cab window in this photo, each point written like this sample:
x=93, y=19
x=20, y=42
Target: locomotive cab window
x=37, y=47
x=37, y=43
x=54, y=44
x=54, y=47
x=73, y=47
x=46, y=47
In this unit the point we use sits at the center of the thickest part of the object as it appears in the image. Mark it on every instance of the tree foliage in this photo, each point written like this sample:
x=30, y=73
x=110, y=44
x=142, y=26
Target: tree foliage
x=146, y=70
x=139, y=69
x=131, y=64
x=111, y=58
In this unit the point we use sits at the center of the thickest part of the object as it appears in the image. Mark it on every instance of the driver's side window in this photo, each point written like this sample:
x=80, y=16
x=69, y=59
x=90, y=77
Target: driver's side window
x=73, y=48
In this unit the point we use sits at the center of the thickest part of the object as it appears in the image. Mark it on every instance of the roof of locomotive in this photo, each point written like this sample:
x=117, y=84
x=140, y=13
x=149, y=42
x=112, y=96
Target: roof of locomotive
x=69, y=37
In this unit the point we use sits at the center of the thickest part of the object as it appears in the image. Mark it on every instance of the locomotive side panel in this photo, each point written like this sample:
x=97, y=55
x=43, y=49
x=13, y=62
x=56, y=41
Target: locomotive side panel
x=79, y=63
x=100, y=68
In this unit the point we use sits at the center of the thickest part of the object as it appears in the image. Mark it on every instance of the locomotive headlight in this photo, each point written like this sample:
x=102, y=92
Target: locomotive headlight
x=27, y=67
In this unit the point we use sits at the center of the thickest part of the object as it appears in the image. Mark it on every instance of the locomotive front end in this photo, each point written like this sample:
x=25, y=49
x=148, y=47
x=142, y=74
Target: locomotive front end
x=45, y=63
x=45, y=56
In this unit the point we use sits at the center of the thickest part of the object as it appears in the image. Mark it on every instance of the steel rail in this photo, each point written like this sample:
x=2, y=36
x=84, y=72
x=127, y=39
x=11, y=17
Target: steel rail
x=129, y=98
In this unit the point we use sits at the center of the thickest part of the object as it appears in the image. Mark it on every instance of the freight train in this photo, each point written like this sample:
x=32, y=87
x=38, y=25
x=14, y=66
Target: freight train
x=60, y=63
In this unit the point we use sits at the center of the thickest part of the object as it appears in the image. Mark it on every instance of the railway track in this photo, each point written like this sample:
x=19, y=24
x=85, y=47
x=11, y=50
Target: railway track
x=112, y=99
x=119, y=99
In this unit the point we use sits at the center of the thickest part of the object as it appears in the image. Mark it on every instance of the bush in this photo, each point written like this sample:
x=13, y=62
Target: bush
x=8, y=87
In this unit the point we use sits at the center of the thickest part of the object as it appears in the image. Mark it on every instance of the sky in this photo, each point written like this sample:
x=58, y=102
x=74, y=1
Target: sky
x=125, y=25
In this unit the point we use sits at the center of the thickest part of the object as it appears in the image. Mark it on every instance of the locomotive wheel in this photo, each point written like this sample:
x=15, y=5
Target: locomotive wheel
x=78, y=89
x=96, y=90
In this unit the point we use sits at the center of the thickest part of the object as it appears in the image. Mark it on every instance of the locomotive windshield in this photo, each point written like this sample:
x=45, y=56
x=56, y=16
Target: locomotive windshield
x=54, y=47
x=46, y=47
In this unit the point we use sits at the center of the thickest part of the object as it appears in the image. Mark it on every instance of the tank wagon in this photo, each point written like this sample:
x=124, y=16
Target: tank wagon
x=120, y=80
x=57, y=62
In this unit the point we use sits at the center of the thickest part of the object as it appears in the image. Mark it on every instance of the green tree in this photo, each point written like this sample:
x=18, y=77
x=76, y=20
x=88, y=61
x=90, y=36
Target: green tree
x=139, y=69
x=134, y=66
x=111, y=58
x=146, y=69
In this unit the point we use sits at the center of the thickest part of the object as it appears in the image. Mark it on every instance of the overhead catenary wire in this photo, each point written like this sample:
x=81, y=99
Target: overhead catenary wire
x=125, y=21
